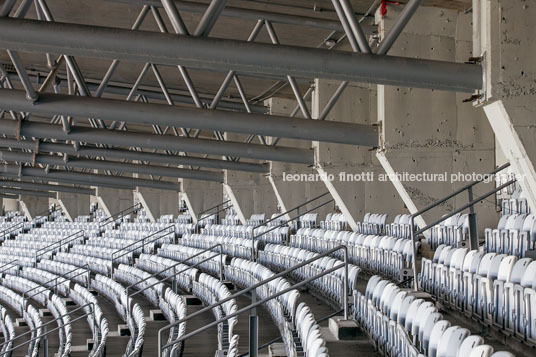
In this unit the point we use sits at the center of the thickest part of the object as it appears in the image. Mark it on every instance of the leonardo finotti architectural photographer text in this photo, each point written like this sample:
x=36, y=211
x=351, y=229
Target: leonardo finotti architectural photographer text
x=369, y=176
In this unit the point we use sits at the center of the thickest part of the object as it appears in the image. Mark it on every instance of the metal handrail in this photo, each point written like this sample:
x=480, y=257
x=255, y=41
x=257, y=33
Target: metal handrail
x=175, y=273
x=142, y=241
x=43, y=285
x=91, y=312
x=9, y=263
x=60, y=242
x=15, y=226
x=292, y=209
x=320, y=320
x=255, y=286
x=112, y=218
x=255, y=237
x=214, y=214
x=211, y=208
x=470, y=204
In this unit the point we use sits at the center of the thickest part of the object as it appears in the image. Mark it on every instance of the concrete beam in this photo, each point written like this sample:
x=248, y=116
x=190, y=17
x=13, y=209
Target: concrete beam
x=236, y=204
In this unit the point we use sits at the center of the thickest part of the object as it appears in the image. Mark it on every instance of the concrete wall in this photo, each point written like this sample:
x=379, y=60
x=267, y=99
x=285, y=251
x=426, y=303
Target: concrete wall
x=202, y=194
x=294, y=193
x=73, y=204
x=157, y=202
x=434, y=131
x=32, y=206
x=10, y=204
x=113, y=200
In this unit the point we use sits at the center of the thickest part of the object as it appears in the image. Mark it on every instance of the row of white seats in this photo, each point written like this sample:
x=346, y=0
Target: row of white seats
x=29, y=313
x=498, y=289
x=96, y=320
x=97, y=265
x=125, y=257
x=117, y=294
x=117, y=244
x=266, y=234
x=211, y=290
x=514, y=206
x=181, y=273
x=7, y=259
x=46, y=298
x=256, y=219
x=174, y=309
x=308, y=220
x=401, y=323
x=69, y=271
x=8, y=330
x=453, y=231
x=287, y=314
x=331, y=285
x=375, y=254
x=152, y=288
x=181, y=253
x=400, y=227
x=236, y=247
x=515, y=234
x=184, y=218
x=23, y=252
x=334, y=221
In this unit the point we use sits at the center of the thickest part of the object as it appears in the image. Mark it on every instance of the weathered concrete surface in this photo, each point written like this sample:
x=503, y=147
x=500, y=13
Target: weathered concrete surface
x=73, y=204
x=32, y=206
x=113, y=200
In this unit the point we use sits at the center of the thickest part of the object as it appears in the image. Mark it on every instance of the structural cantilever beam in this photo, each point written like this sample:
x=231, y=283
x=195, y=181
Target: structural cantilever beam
x=204, y=119
x=165, y=142
x=86, y=178
x=86, y=150
x=18, y=191
x=241, y=56
x=19, y=156
x=47, y=187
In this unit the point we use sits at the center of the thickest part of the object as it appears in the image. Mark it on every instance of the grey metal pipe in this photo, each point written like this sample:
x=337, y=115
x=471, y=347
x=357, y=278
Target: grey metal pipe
x=163, y=142
x=19, y=156
x=254, y=15
x=134, y=155
x=223, y=54
x=210, y=17
x=204, y=119
x=88, y=178
x=11, y=197
x=355, y=26
x=47, y=187
x=18, y=191
x=397, y=28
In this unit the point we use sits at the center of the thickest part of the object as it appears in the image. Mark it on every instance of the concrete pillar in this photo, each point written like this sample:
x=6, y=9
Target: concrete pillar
x=349, y=166
x=73, y=205
x=157, y=202
x=434, y=132
x=253, y=192
x=293, y=192
x=33, y=206
x=202, y=195
x=113, y=200
x=506, y=38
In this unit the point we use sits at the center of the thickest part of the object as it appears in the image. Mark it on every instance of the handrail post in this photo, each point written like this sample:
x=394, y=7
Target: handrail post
x=260, y=302
x=414, y=247
x=473, y=227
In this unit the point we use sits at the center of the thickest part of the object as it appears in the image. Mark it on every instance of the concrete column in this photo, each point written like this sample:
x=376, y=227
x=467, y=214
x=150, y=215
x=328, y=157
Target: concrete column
x=202, y=195
x=434, y=132
x=73, y=205
x=113, y=200
x=507, y=44
x=349, y=166
x=291, y=192
x=253, y=191
x=157, y=202
x=33, y=206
